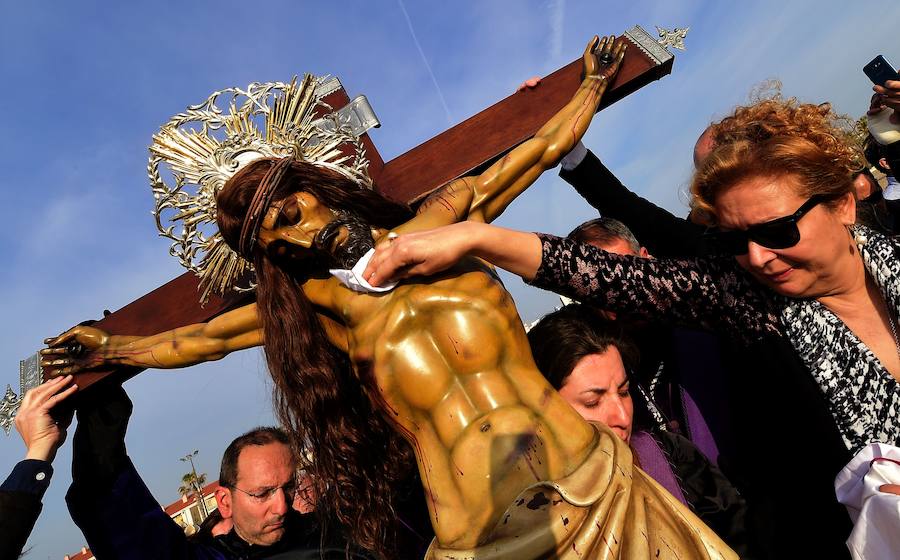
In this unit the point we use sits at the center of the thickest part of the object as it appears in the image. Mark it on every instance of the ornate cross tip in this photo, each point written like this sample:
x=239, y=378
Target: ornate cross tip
x=30, y=376
x=673, y=38
x=9, y=405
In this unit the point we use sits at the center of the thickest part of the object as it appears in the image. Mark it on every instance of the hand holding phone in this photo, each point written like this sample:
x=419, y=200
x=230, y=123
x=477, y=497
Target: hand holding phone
x=881, y=72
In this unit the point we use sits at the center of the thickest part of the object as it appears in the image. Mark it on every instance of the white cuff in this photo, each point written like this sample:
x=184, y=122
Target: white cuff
x=575, y=157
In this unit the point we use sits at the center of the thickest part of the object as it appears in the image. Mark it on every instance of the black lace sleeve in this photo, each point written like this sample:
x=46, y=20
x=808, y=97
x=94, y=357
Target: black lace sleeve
x=710, y=293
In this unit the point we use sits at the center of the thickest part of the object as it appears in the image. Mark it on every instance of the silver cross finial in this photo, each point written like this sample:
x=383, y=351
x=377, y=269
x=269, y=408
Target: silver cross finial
x=673, y=38
x=9, y=405
x=30, y=376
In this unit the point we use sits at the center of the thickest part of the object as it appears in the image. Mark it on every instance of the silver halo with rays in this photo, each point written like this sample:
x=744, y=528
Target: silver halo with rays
x=200, y=149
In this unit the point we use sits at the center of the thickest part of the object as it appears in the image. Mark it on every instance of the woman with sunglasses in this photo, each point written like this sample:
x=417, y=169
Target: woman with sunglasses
x=809, y=300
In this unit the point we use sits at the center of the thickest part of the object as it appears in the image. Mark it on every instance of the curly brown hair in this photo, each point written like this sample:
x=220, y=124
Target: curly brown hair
x=355, y=457
x=775, y=137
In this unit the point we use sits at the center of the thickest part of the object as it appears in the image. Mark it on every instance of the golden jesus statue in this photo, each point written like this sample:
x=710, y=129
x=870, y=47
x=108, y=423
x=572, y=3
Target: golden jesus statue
x=509, y=469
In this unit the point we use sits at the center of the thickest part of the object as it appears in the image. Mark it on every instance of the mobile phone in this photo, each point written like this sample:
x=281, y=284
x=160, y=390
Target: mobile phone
x=880, y=71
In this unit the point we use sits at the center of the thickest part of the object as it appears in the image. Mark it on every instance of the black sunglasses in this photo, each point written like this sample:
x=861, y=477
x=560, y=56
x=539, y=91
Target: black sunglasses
x=779, y=233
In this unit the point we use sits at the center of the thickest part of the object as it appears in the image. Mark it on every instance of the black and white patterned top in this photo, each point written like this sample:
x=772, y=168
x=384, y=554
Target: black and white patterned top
x=716, y=294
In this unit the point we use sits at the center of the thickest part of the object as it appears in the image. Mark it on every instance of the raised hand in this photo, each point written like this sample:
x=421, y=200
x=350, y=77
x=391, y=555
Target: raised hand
x=417, y=254
x=429, y=252
x=888, y=96
x=78, y=349
x=41, y=432
x=603, y=57
x=530, y=83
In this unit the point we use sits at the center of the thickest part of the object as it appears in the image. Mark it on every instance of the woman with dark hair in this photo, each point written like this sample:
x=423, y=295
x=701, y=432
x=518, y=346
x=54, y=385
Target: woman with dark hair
x=589, y=360
x=810, y=300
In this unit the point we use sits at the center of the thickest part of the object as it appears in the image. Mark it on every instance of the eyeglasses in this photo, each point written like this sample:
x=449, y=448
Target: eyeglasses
x=266, y=494
x=779, y=233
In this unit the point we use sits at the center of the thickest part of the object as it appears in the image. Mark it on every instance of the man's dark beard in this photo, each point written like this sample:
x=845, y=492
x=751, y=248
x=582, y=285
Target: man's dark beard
x=359, y=240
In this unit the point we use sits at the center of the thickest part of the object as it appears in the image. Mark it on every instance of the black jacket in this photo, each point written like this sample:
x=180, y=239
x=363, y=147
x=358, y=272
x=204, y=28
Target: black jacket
x=20, y=504
x=662, y=233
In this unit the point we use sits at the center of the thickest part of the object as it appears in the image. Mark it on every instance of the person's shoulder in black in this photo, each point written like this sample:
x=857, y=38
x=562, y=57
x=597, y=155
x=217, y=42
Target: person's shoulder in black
x=709, y=493
x=303, y=539
x=663, y=233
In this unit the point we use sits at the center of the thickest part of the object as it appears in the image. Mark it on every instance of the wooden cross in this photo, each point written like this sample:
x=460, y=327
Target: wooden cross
x=407, y=178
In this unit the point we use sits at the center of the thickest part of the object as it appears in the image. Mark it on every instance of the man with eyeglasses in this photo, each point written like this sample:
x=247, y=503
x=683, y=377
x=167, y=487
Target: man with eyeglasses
x=257, y=485
x=121, y=519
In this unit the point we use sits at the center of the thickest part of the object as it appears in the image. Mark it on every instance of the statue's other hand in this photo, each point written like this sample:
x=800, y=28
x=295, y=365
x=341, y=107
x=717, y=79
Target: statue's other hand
x=603, y=57
x=77, y=349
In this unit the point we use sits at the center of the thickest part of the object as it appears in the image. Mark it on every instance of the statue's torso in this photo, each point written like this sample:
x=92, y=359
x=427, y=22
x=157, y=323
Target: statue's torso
x=454, y=369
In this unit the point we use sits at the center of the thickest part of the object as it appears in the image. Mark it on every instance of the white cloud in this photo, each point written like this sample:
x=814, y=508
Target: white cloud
x=557, y=10
x=434, y=81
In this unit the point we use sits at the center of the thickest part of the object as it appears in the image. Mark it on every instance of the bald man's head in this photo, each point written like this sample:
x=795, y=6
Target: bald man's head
x=704, y=146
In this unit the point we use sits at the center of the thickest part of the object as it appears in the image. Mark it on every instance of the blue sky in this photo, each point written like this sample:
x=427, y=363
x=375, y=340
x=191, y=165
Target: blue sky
x=85, y=85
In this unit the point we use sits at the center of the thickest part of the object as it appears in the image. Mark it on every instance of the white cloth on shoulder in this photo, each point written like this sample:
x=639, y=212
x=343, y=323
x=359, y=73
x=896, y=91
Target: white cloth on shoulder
x=875, y=514
x=354, y=280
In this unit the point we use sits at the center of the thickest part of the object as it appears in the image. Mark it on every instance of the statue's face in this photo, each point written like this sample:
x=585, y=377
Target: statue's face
x=296, y=220
x=301, y=221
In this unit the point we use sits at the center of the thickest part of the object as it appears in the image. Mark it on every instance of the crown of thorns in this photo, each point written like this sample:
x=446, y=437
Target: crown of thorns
x=197, y=151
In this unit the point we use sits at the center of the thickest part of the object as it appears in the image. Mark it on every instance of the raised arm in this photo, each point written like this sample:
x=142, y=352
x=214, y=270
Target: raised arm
x=428, y=252
x=707, y=293
x=699, y=292
x=664, y=234
x=85, y=348
x=484, y=197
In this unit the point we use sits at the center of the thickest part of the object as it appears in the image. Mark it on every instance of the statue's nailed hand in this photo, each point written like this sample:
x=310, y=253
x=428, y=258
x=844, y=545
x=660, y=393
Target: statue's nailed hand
x=78, y=349
x=603, y=57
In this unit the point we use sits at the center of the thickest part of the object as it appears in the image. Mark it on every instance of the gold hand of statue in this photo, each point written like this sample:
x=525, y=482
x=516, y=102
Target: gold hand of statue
x=83, y=348
x=603, y=57
x=78, y=349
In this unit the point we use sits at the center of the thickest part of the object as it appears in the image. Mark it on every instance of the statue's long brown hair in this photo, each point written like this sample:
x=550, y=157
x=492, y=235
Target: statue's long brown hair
x=355, y=456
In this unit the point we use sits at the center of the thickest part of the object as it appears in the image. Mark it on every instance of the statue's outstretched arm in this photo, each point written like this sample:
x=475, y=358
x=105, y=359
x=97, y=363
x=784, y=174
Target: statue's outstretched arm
x=483, y=197
x=502, y=182
x=85, y=348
